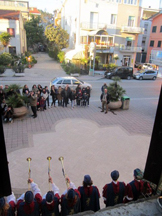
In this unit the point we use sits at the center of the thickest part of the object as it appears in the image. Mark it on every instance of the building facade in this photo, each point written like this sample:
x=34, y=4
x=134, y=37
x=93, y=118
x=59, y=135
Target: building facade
x=154, y=50
x=12, y=22
x=114, y=25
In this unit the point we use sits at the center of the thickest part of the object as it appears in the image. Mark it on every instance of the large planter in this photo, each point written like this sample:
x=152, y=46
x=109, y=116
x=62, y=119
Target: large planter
x=19, y=74
x=18, y=112
x=115, y=105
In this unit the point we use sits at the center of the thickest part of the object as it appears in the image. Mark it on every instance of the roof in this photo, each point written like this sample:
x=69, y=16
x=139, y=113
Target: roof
x=155, y=15
x=9, y=14
x=34, y=11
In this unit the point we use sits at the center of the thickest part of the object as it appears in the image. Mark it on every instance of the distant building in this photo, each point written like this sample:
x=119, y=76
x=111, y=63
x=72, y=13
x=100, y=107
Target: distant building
x=12, y=22
x=113, y=25
x=16, y=5
x=154, y=50
x=34, y=11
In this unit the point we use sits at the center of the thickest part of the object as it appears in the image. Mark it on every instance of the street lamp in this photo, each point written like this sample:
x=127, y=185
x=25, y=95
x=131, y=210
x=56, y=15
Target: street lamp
x=29, y=59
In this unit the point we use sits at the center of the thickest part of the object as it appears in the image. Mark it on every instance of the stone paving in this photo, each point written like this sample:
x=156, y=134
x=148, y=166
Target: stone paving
x=90, y=141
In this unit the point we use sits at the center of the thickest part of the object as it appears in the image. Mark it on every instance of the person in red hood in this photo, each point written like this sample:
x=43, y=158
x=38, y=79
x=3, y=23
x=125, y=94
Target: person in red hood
x=29, y=203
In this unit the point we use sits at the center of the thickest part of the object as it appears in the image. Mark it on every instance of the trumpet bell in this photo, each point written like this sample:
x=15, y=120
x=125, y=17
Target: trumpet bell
x=49, y=158
x=28, y=159
x=61, y=158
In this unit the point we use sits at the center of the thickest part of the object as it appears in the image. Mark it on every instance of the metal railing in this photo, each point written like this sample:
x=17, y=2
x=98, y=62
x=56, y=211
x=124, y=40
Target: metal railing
x=129, y=48
x=91, y=25
x=130, y=29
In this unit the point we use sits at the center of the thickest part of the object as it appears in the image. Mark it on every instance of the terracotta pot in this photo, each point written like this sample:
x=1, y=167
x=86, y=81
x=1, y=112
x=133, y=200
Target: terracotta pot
x=115, y=105
x=18, y=112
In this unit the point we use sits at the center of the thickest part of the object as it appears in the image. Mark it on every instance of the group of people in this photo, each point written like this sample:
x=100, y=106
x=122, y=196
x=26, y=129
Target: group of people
x=74, y=200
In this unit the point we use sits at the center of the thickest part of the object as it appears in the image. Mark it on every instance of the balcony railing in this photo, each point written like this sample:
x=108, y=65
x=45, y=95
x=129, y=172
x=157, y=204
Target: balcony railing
x=92, y=26
x=132, y=30
x=101, y=45
x=13, y=4
x=124, y=48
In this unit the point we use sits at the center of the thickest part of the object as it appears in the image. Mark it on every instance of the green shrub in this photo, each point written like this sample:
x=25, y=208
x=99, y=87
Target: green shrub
x=19, y=69
x=28, y=53
x=5, y=59
x=61, y=56
x=2, y=69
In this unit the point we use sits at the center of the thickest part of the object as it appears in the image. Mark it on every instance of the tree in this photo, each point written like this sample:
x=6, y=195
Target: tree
x=5, y=38
x=57, y=38
x=34, y=32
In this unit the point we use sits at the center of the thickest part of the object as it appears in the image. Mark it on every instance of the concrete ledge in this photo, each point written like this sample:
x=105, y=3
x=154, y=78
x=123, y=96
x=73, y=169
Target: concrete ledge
x=19, y=74
x=75, y=75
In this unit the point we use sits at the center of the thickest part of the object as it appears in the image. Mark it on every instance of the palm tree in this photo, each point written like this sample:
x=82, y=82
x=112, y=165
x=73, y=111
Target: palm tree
x=5, y=38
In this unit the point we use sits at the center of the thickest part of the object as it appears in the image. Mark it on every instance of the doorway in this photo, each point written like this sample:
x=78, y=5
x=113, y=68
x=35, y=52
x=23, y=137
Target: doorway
x=126, y=61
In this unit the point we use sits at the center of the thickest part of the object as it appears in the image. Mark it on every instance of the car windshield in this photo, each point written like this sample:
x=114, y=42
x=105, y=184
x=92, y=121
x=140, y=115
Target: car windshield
x=55, y=80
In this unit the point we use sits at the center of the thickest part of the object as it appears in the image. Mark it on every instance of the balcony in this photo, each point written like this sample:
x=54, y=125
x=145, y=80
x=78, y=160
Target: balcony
x=132, y=30
x=124, y=48
x=92, y=26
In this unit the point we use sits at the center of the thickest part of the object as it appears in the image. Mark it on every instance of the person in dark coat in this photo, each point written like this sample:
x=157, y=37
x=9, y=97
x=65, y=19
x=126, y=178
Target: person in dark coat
x=50, y=203
x=7, y=207
x=53, y=93
x=114, y=192
x=137, y=188
x=65, y=95
x=84, y=96
x=8, y=113
x=89, y=195
x=88, y=91
x=47, y=100
x=78, y=88
x=59, y=96
x=73, y=98
x=103, y=87
x=29, y=203
x=33, y=103
x=105, y=99
x=70, y=200
x=25, y=90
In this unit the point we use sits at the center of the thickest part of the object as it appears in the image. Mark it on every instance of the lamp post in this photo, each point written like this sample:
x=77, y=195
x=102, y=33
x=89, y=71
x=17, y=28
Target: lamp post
x=92, y=57
x=29, y=65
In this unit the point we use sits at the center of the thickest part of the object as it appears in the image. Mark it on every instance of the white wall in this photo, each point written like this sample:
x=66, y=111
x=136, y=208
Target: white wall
x=15, y=41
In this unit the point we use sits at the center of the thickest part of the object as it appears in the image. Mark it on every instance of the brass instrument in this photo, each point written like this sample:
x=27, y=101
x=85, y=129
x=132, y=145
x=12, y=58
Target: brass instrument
x=49, y=169
x=63, y=171
x=29, y=173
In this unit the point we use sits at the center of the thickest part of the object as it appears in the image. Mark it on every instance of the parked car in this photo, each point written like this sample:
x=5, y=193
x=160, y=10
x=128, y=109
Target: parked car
x=145, y=74
x=149, y=66
x=138, y=64
x=122, y=72
x=71, y=81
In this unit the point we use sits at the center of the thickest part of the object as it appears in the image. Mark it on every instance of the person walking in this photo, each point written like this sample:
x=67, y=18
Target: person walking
x=114, y=192
x=89, y=195
x=50, y=203
x=105, y=99
x=53, y=93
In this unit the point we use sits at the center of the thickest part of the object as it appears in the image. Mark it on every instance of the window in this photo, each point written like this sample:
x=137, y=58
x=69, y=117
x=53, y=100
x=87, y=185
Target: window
x=146, y=27
x=161, y=29
x=132, y=2
x=159, y=44
x=131, y=21
x=12, y=50
x=151, y=43
x=59, y=82
x=154, y=29
x=76, y=82
x=67, y=82
x=113, y=19
x=11, y=31
x=118, y=1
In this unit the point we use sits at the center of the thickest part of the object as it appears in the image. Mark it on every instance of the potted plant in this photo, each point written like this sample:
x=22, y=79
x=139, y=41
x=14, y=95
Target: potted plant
x=19, y=70
x=116, y=92
x=16, y=100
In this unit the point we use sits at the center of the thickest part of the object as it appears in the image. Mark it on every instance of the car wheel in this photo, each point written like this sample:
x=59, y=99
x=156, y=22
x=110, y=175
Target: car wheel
x=154, y=78
x=128, y=77
x=141, y=78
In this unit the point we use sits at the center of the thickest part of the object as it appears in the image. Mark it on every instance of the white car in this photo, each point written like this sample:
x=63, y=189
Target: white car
x=148, y=66
x=71, y=81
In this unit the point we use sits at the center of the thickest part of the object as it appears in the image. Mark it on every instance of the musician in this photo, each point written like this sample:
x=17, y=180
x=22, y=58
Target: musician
x=89, y=195
x=32, y=202
x=70, y=200
x=50, y=203
x=7, y=207
x=114, y=192
x=137, y=188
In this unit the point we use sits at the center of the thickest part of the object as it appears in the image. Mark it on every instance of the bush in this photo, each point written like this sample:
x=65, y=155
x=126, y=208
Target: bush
x=61, y=56
x=2, y=69
x=19, y=69
x=70, y=68
x=5, y=59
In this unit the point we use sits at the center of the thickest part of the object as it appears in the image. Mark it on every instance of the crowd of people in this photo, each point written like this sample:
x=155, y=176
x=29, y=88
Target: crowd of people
x=38, y=98
x=74, y=200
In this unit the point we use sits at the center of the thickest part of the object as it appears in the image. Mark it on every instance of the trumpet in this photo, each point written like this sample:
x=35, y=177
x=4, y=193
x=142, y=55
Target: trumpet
x=29, y=172
x=49, y=169
x=63, y=171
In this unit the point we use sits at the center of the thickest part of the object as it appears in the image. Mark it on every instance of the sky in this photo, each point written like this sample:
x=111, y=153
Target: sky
x=51, y=5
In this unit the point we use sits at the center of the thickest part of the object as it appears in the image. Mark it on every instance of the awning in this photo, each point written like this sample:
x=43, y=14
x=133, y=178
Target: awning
x=74, y=54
